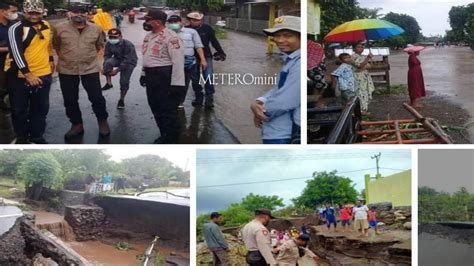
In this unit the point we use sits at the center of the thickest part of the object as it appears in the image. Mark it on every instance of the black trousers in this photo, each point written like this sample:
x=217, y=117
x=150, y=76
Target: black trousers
x=163, y=100
x=30, y=106
x=70, y=89
x=252, y=260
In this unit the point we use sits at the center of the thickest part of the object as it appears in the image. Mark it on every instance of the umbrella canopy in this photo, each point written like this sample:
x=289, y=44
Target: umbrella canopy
x=363, y=29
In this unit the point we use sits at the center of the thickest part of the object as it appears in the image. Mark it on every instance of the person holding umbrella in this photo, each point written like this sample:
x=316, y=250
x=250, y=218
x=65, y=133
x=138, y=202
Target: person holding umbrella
x=416, y=83
x=357, y=31
x=364, y=86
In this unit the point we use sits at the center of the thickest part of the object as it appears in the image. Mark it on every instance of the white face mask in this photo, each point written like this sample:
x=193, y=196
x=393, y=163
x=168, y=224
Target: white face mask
x=12, y=16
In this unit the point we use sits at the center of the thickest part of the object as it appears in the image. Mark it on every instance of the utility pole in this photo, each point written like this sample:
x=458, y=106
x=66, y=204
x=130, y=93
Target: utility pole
x=377, y=159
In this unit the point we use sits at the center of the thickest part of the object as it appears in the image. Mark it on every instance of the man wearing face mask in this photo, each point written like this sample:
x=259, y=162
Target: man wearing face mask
x=29, y=68
x=163, y=74
x=192, y=42
x=120, y=56
x=8, y=14
x=258, y=241
x=77, y=43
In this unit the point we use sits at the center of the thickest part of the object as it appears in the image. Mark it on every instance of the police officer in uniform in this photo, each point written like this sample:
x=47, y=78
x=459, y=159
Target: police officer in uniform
x=257, y=239
x=163, y=74
x=291, y=250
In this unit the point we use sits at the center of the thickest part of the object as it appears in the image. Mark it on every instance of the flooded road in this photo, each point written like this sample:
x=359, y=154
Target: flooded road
x=230, y=122
x=435, y=250
x=447, y=71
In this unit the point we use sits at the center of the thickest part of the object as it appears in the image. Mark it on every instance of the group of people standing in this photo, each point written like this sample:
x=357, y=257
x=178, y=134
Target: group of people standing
x=262, y=251
x=173, y=55
x=359, y=216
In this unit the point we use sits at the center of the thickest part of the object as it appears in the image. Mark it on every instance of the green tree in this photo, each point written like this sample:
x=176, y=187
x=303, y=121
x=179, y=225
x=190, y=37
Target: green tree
x=251, y=202
x=236, y=214
x=326, y=187
x=461, y=19
x=412, y=30
x=40, y=170
x=10, y=161
x=336, y=12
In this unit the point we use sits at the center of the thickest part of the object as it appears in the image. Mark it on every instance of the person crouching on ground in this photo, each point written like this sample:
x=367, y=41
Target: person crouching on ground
x=29, y=73
x=273, y=112
x=119, y=56
x=344, y=77
x=291, y=250
x=77, y=43
x=191, y=42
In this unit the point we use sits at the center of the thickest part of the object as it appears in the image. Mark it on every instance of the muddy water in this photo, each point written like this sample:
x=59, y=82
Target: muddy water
x=99, y=253
x=447, y=71
x=434, y=250
x=96, y=252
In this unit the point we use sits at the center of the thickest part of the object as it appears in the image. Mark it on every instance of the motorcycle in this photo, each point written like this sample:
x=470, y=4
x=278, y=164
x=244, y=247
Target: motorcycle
x=131, y=19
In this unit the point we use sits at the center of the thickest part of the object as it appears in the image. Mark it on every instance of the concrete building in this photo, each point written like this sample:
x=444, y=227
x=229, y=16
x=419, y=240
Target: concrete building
x=394, y=188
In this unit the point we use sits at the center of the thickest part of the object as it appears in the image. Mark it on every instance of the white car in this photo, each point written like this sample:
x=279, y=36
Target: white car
x=221, y=23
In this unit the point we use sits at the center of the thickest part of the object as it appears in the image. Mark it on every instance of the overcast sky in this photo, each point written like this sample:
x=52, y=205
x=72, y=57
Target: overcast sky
x=432, y=15
x=446, y=170
x=180, y=156
x=219, y=167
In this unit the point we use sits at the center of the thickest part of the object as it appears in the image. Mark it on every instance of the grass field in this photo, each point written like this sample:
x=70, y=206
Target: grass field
x=6, y=184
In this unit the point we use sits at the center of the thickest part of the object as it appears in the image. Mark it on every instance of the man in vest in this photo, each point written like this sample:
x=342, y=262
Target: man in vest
x=29, y=69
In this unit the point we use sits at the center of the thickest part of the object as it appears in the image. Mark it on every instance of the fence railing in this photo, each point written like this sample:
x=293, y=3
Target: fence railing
x=240, y=24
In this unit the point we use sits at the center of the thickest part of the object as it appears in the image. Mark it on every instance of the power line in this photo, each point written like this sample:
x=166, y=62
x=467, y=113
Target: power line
x=394, y=169
x=266, y=158
x=275, y=180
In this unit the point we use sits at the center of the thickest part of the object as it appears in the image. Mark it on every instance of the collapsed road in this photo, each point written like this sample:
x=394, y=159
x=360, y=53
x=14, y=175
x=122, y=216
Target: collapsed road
x=102, y=230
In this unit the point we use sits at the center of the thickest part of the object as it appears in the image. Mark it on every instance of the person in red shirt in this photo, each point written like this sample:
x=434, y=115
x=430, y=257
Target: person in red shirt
x=345, y=216
x=372, y=215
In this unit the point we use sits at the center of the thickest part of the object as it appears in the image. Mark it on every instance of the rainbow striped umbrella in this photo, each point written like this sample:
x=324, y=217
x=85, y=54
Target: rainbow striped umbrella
x=363, y=29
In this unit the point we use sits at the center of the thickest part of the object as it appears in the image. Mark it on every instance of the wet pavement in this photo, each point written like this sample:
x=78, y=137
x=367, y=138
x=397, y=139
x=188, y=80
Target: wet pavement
x=8, y=217
x=229, y=123
x=246, y=53
x=447, y=72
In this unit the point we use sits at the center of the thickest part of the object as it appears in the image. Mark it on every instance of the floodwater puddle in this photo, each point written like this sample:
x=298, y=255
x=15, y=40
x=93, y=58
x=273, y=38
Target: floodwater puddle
x=436, y=250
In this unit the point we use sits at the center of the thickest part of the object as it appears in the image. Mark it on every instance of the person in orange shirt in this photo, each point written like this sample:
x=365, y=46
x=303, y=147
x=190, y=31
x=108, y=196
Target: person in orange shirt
x=372, y=215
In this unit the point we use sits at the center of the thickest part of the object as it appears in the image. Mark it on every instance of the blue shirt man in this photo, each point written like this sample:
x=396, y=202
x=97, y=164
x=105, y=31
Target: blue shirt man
x=277, y=112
